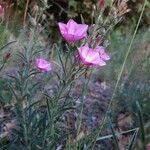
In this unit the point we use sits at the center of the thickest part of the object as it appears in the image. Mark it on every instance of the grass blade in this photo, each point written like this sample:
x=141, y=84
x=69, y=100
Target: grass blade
x=115, y=138
x=132, y=142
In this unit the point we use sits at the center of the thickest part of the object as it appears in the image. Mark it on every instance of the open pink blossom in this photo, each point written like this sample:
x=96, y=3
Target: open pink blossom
x=96, y=56
x=72, y=31
x=1, y=11
x=43, y=65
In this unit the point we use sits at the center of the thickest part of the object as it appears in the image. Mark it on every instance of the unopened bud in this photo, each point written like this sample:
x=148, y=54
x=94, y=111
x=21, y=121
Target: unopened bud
x=1, y=10
x=101, y=4
x=7, y=56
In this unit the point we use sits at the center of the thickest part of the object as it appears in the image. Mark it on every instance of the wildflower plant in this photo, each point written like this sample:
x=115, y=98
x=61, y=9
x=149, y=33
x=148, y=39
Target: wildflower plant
x=43, y=82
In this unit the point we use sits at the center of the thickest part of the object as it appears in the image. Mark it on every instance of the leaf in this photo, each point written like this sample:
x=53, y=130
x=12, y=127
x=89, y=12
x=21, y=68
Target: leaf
x=60, y=59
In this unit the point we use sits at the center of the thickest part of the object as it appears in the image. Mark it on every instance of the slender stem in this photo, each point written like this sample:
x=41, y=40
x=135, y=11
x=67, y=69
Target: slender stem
x=25, y=13
x=117, y=134
x=82, y=107
x=120, y=74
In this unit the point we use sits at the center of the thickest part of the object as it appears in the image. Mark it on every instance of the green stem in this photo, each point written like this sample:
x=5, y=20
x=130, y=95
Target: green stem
x=120, y=74
x=79, y=119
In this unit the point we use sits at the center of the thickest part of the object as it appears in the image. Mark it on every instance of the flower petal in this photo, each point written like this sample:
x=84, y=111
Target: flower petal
x=71, y=27
x=102, y=52
x=72, y=31
x=62, y=28
x=43, y=65
x=82, y=29
x=83, y=51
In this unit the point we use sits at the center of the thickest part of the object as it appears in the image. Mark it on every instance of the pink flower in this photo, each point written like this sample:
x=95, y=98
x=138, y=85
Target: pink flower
x=96, y=56
x=43, y=65
x=72, y=31
x=1, y=11
x=148, y=147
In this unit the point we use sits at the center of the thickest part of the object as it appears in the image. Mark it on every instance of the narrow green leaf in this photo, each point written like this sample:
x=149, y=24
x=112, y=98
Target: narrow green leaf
x=60, y=59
